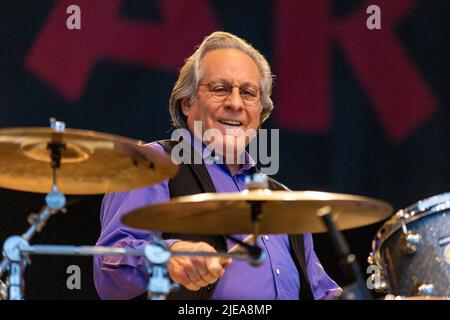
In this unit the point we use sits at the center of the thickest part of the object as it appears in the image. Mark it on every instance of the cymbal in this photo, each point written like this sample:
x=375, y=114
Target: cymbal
x=91, y=162
x=292, y=212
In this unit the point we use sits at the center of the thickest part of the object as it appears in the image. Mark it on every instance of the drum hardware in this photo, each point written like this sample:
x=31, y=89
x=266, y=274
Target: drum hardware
x=378, y=279
x=410, y=249
x=156, y=253
x=409, y=242
x=254, y=181
x=81, y=162
x=159, y=283
x=357, y=289
x=13, y=261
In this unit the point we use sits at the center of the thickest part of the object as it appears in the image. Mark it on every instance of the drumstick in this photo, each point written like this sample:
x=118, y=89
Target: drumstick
x=249, y=239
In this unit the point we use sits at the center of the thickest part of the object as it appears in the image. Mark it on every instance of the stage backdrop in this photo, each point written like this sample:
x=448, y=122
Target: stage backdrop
x=360, y=111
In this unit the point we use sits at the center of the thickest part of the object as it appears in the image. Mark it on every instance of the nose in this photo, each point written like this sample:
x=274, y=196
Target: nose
x=234, y=101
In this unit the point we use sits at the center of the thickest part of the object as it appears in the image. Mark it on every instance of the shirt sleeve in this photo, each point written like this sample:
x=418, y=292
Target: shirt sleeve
x=125, y=277
x=323, y=287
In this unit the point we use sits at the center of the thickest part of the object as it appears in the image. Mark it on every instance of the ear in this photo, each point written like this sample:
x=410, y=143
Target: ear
x=185, y=106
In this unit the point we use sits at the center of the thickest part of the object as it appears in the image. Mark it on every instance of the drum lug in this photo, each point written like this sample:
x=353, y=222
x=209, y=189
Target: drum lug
x=409, y=242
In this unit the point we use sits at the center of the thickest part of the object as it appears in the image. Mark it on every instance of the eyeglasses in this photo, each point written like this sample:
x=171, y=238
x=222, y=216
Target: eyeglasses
x=250, y=94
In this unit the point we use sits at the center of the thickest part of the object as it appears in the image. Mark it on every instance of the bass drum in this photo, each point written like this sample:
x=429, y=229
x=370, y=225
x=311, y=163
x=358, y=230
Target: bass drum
x=412, y=249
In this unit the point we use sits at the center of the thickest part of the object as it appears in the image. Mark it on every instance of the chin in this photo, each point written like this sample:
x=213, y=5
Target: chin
x=234, y=145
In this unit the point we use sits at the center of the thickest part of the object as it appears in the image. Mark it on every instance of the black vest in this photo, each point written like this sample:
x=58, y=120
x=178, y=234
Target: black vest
x=193, y=179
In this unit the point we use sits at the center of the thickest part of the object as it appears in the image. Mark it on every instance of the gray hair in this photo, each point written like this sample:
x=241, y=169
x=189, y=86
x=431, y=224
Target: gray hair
x=186, y=85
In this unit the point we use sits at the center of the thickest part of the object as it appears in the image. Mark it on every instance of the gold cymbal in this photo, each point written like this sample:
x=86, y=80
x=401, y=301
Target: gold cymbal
x=292, y=212
x=91, y=162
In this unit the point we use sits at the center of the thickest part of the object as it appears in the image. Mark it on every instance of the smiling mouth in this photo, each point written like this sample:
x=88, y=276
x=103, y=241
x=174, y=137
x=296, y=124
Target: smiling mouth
x=232, y=123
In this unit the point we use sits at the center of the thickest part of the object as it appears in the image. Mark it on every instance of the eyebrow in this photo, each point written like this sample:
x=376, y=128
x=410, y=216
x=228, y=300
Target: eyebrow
x=245, y=84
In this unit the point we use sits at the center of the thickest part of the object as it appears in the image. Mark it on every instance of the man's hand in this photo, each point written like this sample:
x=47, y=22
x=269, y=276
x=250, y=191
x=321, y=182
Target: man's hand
x=196, y=272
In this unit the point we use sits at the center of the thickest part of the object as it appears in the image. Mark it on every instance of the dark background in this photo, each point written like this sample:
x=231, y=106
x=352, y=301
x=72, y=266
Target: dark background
x=357, y=147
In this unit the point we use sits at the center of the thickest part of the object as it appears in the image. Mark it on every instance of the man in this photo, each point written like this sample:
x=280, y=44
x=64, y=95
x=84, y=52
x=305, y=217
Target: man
x=225, y=87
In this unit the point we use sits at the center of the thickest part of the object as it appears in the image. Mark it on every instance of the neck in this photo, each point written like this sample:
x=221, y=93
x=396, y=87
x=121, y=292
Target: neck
x=234, y=168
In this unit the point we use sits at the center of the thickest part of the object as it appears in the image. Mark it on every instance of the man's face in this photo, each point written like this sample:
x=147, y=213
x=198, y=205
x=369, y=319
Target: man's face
x=233, y=115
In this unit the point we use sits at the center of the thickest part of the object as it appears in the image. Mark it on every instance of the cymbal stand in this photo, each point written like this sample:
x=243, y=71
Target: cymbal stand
x=253, y=181
x=357, y=289
x=14, y=262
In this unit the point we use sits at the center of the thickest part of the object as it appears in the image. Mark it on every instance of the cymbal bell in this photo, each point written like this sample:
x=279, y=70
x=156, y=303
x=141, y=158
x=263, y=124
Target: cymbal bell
x=91, y=162
x=291, y=212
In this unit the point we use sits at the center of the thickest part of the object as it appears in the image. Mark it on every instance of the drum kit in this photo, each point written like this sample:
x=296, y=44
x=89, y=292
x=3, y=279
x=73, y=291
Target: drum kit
x=412, y=249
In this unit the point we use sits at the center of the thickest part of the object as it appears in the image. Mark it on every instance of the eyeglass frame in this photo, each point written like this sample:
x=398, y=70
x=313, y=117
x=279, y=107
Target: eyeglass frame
x=228, y=85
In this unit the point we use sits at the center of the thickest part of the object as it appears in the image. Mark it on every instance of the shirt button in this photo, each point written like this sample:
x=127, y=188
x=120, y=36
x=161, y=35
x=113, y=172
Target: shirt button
x=266, y=237
x=278, y=271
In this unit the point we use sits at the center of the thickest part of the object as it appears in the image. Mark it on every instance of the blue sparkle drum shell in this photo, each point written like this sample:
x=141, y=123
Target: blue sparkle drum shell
x=412, y=249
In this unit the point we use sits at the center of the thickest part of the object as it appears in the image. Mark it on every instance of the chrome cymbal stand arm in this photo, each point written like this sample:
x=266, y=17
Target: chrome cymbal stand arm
x=156, y=253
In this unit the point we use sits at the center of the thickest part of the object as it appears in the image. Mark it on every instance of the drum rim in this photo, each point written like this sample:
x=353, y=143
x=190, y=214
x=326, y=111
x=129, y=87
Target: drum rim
x=427, y=203
x=410, y=214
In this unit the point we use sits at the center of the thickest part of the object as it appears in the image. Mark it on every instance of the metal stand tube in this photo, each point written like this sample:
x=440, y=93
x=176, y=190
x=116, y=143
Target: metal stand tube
x=357, y=289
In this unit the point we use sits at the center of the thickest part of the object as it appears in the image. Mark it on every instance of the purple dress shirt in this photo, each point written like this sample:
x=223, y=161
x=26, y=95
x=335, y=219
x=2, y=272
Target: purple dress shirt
x=124, y=277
